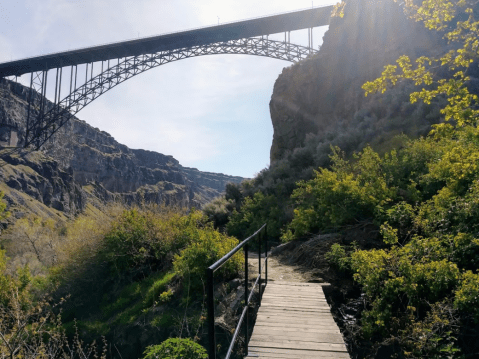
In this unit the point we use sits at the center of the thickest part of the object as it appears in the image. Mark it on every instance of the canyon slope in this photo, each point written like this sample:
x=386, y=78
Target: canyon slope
x=83, y=168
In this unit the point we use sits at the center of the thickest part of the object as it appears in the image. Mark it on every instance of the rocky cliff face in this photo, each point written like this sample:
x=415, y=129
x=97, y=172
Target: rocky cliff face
x=82, y=165
x=315, y=95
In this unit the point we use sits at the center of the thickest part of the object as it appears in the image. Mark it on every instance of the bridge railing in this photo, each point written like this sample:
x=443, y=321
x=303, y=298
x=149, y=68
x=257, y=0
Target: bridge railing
x=262, y=243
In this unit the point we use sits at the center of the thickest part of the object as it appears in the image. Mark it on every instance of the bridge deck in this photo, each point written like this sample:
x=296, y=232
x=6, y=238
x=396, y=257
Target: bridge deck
x=294, y=321
x=267, y=25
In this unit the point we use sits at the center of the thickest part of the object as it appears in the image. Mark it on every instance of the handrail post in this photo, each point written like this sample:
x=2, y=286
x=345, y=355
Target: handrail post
x=211, y=314
x=266, y=256
x=246, y=298
x=260, y=242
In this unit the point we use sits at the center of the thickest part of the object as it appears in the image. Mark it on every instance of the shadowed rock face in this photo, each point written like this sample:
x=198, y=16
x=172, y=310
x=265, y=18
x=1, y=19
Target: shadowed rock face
x=80, y=156
x=310, y=96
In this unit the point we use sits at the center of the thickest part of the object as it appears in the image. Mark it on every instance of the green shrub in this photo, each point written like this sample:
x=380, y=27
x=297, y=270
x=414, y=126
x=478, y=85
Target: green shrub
x=142, y=240
x=349, y=192
x=219, y=211
x=133, y=241
x=467, y=295
x=340, y=257
x=176, y=348
x=208, y=246
x=256, y=211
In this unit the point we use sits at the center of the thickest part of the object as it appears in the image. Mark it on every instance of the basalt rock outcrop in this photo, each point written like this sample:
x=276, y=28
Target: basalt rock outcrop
x=82, y=165
x=316, y=95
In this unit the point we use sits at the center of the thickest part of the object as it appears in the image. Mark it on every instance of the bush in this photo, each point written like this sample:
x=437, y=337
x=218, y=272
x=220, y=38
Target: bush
x=256, y=211
x=142, y=240
x=340, y=257
x=208, y=247
x=219, y=211
x=176, y=348
x=349, y=192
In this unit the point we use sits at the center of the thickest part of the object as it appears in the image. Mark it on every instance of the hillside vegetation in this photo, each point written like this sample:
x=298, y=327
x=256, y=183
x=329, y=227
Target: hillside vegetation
x=134, y=277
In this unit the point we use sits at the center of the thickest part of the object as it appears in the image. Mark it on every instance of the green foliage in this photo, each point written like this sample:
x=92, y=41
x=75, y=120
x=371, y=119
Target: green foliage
x=3, y=206
x=424, y=199
x=157, y=289
x=444, y=16
x=349, y=192
x=176, y=348
x=219, y=211
x=207, y=247
x=256, y=211
x=29, y=327
x=142, y=240
x=340, y=256
x=467, y=295
x=165, y=296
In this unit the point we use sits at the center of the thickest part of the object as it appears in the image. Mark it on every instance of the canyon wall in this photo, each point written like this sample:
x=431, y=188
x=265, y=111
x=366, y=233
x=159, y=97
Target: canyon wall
x=323, y=94
x=82, y=165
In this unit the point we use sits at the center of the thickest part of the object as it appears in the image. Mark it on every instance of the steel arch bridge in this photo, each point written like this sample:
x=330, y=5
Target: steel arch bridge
x=122, y=61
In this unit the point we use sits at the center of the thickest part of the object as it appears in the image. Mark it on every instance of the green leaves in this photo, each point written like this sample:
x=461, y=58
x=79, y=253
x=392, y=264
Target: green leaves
x=350, y=191
x=176, y=348
x=462, y=106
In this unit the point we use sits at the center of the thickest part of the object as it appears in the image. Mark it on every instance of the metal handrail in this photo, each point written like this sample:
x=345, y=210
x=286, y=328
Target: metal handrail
x=210, y=291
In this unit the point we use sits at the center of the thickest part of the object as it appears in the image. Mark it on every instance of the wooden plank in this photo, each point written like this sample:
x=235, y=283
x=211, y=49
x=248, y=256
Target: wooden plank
x=295, y=307
x=272, y=336
x=292, y=344
x=325, y=326
x=307, y=311
x=275, y=316
x=279, y=351
x=290, y=290
x=290, y=321
x=276, y=300
x=295, y=321
x=312, y=330
x=297, y=284
x=293, y=354
x=300, y=296
x=282, y=308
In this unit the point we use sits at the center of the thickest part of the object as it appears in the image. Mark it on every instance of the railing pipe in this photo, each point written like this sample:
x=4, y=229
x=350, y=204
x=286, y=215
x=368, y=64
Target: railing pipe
x=246, y=301
x=211, y=313
x=266, y=257
x=248, y=294
x=261, y=236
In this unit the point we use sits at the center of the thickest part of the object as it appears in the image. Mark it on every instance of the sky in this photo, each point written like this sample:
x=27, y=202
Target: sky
x=209, y=112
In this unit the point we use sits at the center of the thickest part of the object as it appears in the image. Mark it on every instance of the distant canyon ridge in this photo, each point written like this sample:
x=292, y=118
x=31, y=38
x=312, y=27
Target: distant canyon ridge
x=83, y=168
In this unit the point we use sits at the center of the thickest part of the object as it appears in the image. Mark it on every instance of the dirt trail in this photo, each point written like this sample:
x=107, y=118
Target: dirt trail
x=280, y=270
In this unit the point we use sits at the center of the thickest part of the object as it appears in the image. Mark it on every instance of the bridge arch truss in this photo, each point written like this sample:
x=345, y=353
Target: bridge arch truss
x=48, y=119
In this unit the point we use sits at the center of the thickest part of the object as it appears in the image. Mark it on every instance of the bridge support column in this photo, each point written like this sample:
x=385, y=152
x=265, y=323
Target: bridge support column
x=55, y=101
x=37, y=131
x=30, y=95
x=312, y=47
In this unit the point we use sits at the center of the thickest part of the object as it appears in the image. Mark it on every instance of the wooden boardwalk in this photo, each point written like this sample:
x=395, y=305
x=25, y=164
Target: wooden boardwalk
x=294, y=321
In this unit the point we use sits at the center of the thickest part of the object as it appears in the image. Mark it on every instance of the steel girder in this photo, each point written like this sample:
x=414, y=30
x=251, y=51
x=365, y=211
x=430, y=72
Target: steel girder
x=48, y=122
